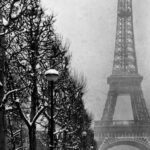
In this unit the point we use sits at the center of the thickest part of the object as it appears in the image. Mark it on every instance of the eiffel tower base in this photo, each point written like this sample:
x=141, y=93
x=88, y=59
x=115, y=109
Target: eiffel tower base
x=116, y=133
x=141, y=143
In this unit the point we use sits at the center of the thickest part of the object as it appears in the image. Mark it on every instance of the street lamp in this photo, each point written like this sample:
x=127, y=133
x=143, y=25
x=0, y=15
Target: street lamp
x=52, y=76
x=91, y=147
x=84, y=134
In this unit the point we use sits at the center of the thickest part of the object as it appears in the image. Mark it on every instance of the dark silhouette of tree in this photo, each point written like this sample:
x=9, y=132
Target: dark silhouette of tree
x=10, y=11
x=32, y=48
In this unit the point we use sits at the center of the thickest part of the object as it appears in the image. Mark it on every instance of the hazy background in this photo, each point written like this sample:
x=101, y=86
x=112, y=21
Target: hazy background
x=90, y=27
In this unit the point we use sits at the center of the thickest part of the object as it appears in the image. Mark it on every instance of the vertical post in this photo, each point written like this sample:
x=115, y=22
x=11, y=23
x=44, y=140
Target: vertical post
x=84, y=134
x=52, y=76
x=21, y=136
x=51, y=124
x=83, y=143
x=64, y=140
x=2, y=128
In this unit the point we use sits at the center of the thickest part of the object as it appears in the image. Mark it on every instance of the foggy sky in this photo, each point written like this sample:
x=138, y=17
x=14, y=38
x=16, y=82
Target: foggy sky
x=90, y=26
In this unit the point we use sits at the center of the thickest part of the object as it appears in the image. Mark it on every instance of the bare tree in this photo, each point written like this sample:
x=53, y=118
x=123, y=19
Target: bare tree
x=34, y=48
x=9, y=10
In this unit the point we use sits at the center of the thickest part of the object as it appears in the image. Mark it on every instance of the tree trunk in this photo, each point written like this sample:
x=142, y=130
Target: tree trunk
x=2, y=108
x=2, y=128
x=32, y=138
x=32, y=129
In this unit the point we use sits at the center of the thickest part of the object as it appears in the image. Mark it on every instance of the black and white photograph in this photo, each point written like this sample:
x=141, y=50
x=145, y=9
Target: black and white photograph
x=74, y=75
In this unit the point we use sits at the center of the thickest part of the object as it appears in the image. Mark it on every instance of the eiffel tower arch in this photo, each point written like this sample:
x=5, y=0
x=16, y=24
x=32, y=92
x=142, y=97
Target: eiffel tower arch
x=124, y=80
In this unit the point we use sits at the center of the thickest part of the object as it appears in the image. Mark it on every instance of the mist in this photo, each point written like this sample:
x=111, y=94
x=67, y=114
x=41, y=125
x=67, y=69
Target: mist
x=90, y=27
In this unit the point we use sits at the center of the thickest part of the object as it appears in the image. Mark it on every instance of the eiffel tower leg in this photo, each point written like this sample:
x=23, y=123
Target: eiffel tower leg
x=140, y=111
x=109, y=106
x=133, y=103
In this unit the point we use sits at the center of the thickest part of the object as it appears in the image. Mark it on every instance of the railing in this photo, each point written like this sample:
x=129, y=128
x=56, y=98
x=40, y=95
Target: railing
x=122, y=123
x=121, y=128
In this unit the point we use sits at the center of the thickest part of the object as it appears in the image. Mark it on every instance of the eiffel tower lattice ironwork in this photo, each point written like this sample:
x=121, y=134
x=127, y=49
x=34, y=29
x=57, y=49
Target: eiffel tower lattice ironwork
x=125, y=80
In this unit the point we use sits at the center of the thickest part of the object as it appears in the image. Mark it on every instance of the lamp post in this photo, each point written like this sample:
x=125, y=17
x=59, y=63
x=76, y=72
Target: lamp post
x=64, y=140
x=51, y=76
x=84, y=134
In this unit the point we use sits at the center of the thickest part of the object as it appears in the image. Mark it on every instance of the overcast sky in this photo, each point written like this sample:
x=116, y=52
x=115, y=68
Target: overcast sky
x=90, y=26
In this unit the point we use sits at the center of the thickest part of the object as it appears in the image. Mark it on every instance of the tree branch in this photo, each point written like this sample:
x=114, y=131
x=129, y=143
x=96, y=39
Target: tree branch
x=40, y=111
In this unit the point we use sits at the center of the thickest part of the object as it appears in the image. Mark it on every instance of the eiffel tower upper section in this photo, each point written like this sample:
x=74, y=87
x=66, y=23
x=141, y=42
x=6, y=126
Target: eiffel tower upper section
x=125, y=78
x=125, y=70
x=125, y=62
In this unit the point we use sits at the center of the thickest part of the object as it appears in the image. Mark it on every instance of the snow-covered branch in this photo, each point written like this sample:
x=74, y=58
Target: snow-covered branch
x=4, y=100
x=12, y=17
x=19, y=148
x=40, y=111
x=71, y=132
x=13, y=133
x=60, y=131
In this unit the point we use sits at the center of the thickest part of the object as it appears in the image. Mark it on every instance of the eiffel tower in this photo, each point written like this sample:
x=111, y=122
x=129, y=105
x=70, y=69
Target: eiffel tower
x=125, y=80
